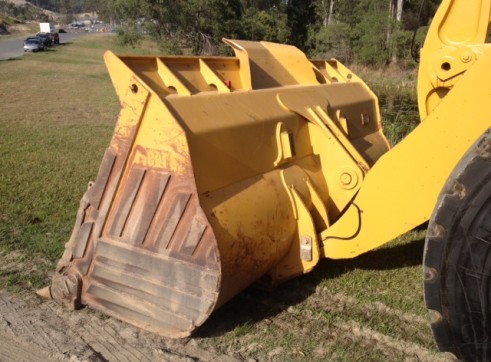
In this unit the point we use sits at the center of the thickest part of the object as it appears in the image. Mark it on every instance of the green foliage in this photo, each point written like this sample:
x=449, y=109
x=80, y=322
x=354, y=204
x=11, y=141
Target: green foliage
x=370, y=38
x=66, y=6
x=205, y=22
x=396, y=92
x=195, y=24
x=402, y=41
x=366, y=31
x=269, y=25
x=129, y=35
x=301, y=14
x=355, y=31
x=21, y=13
x=334, y=42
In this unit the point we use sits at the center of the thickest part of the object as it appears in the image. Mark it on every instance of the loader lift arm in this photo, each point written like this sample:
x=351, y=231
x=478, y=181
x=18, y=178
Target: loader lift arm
x=448, y=154
x=455, y=62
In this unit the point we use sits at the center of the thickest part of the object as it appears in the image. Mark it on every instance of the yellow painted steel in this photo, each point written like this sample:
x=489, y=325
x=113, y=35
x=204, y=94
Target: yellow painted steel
x=400, y=191
x=226, y=170
x=278, y=145
x=269, y=120
x=456, y=39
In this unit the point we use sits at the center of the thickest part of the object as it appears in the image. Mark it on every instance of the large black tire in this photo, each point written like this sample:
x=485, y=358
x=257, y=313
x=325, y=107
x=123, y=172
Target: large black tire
x=457, y=259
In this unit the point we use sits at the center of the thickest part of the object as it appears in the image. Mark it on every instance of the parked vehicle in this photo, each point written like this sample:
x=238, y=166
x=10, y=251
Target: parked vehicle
x=33, y=44
x=46, y=27
x=38, y=38
x=46, y=39
x=55, y=38
x=76, y=25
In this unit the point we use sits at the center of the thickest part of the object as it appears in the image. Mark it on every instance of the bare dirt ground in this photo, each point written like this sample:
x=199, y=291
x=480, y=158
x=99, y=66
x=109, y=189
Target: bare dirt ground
x=255, y=326
x=34, y=330
x=300, y=320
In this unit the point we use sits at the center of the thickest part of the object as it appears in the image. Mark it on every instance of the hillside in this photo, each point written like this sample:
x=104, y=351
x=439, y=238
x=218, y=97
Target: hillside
x=21, y=17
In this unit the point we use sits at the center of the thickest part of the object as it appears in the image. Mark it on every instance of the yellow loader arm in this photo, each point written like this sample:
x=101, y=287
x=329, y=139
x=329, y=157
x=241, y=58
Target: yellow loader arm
x=223, y=172
x=401, y=190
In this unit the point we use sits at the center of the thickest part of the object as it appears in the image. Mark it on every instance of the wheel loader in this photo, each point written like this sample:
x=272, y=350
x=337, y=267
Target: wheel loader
x=228, y=171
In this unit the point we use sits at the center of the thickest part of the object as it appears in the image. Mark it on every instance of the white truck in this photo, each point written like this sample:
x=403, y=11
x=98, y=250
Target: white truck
x=47, y=27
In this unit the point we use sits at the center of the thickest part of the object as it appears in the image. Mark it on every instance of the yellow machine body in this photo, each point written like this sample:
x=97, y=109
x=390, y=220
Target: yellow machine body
x=401, y=190
x=225, y=171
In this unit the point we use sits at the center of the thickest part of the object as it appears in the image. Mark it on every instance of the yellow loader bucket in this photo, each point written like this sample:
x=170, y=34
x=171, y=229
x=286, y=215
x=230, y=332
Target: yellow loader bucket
x=221, y=171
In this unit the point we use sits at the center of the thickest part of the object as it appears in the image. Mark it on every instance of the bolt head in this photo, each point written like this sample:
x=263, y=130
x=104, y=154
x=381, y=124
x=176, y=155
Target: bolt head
x=466, y=57
x=346, y=178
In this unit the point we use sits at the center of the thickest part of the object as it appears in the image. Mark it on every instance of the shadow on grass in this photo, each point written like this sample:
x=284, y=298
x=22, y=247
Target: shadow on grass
x=48, y=50
x=54, y=48
x=254, y=305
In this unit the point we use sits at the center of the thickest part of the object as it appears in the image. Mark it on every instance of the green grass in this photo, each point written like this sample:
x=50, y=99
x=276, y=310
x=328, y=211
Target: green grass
x=58, y=111
x=58, y=115
x=396, y=92
x=316, y=316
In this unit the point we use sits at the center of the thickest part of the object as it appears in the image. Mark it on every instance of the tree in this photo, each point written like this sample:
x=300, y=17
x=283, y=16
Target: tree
x=177, y=24
x=371, y=40
x=205, y=22
x=331, y=12
x=399, y=10
x=301, y=14
x=270, y=24
x=372, y=32
x=333, y=41
x=67, y=8
x=324, y=10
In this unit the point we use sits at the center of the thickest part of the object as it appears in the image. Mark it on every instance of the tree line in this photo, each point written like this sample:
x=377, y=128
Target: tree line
x=371, y=32
x=33, y=9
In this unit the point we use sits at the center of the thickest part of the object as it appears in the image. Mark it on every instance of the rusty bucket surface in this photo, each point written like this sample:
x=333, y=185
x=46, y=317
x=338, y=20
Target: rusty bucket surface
x=215, y=177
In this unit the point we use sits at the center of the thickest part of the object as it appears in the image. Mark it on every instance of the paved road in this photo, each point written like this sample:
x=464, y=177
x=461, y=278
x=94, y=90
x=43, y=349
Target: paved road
x=12, y=48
